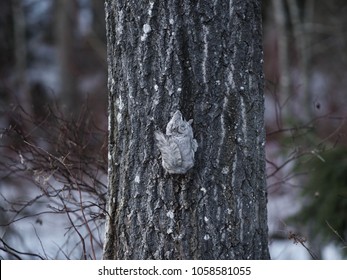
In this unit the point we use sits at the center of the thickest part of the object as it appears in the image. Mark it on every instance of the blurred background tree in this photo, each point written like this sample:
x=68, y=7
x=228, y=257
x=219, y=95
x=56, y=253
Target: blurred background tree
x=53, y=127
x=305, y=62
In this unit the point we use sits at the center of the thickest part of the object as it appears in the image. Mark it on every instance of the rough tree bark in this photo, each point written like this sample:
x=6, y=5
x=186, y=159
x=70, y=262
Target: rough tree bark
x=204, y=58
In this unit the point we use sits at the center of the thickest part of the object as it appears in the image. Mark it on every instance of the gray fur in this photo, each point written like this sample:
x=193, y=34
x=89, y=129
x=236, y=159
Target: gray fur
x=178, y=146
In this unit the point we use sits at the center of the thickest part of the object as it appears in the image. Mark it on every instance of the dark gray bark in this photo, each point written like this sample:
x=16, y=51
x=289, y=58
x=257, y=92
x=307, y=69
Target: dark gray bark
x=205, y=59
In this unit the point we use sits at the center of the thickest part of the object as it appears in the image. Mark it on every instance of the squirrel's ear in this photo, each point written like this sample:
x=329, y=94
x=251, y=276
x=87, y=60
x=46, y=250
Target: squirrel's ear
x=190, y=121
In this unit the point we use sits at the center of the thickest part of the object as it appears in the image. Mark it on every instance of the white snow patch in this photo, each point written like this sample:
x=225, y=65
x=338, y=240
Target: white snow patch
x=240, y=207
x=119, y=103
x=120, y=27
x=231, y=79
x=205, y=53
x=225, y=170
x=170, y=214
x=146, y=29
x=151, y=4
x=222, y=122
x=244, y=120
x=21, y=158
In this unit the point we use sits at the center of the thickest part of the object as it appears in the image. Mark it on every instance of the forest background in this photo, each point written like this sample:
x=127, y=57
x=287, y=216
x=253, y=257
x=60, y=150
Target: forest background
x=53, y=128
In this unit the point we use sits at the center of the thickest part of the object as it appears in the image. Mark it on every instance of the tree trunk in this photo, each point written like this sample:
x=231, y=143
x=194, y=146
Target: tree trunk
x=284, y=79
x=203, y=58
x=66, y=18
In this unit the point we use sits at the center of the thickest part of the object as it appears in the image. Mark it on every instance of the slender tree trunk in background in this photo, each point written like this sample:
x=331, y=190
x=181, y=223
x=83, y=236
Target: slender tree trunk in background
x=205, y=59
x=302, y=28
x=66, y=15
x=20, y=44
x=284, y=81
